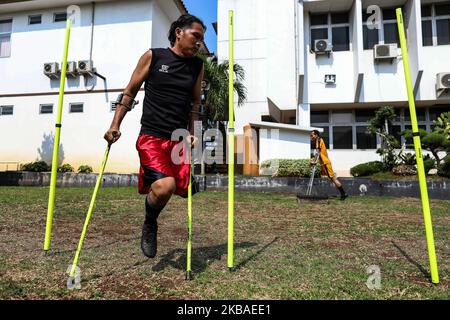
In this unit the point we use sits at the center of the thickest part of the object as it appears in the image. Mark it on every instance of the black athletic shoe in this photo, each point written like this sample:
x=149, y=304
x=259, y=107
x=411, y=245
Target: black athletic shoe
x=149, y=239
x=344, y=196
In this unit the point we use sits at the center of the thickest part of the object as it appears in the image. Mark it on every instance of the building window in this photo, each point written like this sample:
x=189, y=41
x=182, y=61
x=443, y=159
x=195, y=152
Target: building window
x=35, y=19
x=76, y=108
x=390, y=27
x=420, y=114
x=436, y=24
x=365, y=139
x=59, y=16
x=388, y=33
x=319, y=117
x=334, y=27
x=342, y=137
x=6, y=110
x=5, y=38
x=46, y=108
x=436, y=111
x=364, y=115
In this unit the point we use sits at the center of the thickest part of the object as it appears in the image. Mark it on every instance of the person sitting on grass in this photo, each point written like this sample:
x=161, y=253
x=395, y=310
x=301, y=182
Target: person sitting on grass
x=325, y=162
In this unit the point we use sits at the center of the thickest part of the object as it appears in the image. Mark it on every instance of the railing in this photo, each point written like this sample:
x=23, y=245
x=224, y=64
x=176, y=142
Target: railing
x=7, y=165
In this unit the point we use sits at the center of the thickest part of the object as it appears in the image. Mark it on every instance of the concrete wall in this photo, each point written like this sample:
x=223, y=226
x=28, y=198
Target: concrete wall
x=322, y=187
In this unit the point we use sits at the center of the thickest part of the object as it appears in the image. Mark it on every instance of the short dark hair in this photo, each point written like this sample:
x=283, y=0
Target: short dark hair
x=316, y=132
x=183, y=22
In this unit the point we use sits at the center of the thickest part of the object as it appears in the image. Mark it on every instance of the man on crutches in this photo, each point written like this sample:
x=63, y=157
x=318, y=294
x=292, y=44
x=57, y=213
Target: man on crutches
x=172, y=79
x=327, y=170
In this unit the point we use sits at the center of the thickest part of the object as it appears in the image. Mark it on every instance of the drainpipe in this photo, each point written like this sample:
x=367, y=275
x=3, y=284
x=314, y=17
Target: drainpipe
x=92, y=30
x=91, y=45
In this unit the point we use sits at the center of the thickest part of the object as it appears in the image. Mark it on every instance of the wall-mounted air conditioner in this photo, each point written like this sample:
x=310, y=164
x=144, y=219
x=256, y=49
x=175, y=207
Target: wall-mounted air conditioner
x=86, y=67
x=72, y=69
x=383, y=52
x=322, y=46
x=51, y=70
x=442, y=82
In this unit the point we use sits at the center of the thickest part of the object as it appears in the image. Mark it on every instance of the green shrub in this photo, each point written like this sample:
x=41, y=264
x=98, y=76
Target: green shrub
x=444, y=167
x=367, y=169
x=66, y=168
x=85, y=169
x=37, y=166
x=408, y=159
x=292, y=167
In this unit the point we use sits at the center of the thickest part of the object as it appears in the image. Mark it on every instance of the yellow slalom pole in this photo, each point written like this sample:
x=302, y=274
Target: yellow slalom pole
x=88, y=217
x=418, y=150
x=51, y=197
x=189, y=240
x=230, y=255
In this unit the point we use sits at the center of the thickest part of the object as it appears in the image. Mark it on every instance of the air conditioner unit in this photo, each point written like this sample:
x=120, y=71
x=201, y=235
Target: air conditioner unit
x=71, y=70
x=322, y=46
x=385, y=52
x=443, y=81
x=51, y=70
x=86, y=67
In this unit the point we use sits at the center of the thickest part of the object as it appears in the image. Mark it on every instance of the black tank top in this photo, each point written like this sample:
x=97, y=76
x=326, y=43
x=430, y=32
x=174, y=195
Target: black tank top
x=168, y=92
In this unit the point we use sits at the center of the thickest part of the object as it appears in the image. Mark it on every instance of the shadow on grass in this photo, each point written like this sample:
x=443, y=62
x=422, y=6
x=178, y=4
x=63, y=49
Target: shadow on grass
x=415, y=263
x=245, y=261
x=201, y=257
x=58, y=252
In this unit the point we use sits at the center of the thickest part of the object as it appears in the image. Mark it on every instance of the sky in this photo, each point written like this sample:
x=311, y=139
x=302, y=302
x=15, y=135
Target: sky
x=206, y=10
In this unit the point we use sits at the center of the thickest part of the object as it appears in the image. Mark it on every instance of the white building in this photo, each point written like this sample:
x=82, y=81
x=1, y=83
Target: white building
x=113, y=34
x=290, y=80
x=274, y=42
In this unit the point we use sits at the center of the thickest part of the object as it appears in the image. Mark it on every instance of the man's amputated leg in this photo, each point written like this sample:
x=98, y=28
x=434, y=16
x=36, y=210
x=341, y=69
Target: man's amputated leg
x=155, y=202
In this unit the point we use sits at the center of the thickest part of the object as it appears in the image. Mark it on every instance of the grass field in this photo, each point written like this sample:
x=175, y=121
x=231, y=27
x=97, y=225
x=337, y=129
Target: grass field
x=283, y=249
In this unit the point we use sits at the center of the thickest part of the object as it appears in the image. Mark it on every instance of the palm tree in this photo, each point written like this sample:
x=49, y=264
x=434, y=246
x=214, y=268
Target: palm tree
x=217, y=96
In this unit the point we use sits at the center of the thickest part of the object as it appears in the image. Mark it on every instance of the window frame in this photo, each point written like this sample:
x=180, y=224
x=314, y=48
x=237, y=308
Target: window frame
x=76, y=103
x=329, y=26
x=434, y=18
x=8, y=114
x=399, y=122
x=45, y=105
x=381, y=38
x=56, y=13
x=32, y=16
x=7, y=34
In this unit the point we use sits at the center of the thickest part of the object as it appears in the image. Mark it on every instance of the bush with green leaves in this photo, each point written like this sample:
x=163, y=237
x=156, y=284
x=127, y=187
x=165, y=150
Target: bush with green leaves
x=408, y=158
x=37, y=166
x=66, y=168
x=85, y=169
x=432, y=141
x=291, y=167
x=380, y=125
x=367, y=169
x=444, y=167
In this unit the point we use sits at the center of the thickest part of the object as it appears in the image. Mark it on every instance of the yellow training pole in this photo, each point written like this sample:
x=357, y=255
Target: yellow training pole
x=88, y=217
x=51, y=197
x=418, y=149
x=230, y=256
x=189, y=240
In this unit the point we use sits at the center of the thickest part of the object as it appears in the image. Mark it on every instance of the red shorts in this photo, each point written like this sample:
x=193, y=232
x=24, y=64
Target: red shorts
x=156, y=163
